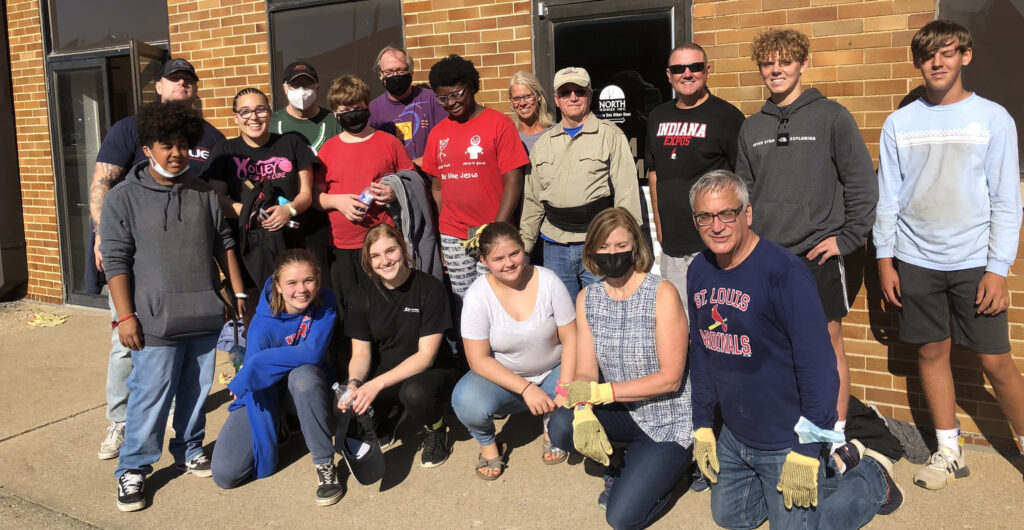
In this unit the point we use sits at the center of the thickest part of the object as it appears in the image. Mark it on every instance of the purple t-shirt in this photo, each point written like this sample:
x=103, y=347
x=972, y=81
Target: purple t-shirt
x=409, y=120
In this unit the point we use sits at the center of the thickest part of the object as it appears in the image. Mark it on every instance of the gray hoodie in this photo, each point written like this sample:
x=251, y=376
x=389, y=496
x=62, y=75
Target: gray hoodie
x=820, y=184
x=165, y=238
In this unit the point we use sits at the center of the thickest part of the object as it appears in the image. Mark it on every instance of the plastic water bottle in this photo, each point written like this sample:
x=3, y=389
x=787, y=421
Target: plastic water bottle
x=367, y=196
x=237, y=356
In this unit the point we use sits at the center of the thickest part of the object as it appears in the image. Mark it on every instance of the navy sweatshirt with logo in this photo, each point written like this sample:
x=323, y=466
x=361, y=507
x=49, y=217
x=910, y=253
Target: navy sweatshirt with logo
x=760, y=347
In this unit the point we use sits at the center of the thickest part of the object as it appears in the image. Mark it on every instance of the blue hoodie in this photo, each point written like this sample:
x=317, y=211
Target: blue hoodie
x=275, y=345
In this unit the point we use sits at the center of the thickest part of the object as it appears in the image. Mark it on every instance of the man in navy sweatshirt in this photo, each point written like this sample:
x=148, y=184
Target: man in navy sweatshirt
x=811, y=178
x=760, y=349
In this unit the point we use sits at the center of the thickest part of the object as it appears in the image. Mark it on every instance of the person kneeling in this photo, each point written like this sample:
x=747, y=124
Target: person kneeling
x=518, y=325
x=631, y=326
x=285, y=364
x=761, y=350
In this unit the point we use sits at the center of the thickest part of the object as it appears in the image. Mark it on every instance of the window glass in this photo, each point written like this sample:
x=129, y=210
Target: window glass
x=336, y=39
x=76, y=25
x=995, y=27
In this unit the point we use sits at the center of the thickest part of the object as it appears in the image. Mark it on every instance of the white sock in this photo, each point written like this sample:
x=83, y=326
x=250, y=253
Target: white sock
x=949, y=438
x=841, y=427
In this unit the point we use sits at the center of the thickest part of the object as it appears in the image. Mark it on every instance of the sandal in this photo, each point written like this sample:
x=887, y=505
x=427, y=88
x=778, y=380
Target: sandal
x=548, y=450
x=492, y=464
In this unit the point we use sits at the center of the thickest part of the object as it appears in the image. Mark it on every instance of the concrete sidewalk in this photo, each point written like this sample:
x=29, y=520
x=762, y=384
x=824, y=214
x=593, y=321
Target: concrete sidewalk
x=52, y=420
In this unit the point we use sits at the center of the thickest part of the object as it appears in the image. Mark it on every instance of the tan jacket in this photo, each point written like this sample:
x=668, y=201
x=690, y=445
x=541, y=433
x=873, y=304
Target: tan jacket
x=571, y=172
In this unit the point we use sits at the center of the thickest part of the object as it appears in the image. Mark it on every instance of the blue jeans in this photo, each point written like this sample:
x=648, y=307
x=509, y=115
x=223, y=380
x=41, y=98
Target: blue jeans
x=746, y=493
x=119, y=366
x=183, y=370
x=649, y=472
x=566, y=260
x=307, y=393
x=477, y=400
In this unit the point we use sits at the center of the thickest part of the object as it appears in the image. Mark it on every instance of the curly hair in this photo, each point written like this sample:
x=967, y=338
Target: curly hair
x=165, y=122
x=454, y=70
x=787, y=44
x=346, y=91
x=935, y=35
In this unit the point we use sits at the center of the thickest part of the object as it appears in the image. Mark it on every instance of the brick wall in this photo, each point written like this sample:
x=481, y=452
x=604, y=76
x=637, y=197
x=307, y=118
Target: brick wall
x=227, y=42
x=34, y=157
x=860, y=57
x=494, y=34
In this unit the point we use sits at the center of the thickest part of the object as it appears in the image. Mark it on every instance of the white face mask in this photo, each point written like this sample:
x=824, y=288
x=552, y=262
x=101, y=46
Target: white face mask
x=301, y=98
x=163, y=172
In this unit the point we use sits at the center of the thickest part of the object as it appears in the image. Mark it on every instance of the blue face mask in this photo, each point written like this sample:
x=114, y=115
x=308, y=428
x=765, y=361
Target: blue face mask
x=810, y=433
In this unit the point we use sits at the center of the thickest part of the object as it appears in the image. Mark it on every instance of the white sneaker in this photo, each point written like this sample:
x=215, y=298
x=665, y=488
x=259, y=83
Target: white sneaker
x=944, y=467
x=111, y=446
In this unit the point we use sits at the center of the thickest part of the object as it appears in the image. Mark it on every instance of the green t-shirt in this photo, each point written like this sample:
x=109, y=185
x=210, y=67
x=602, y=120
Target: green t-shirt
x=316, y=130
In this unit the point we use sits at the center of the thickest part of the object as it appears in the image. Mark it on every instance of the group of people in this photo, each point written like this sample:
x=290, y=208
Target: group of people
x=389, y=244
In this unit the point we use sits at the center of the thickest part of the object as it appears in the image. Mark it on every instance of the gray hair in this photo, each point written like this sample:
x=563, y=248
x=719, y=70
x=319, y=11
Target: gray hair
x=718, y=180
x=544, y=115
x=392, y=48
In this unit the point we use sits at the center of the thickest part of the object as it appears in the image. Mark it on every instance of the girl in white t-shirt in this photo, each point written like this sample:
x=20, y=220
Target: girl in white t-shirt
x=519, y=331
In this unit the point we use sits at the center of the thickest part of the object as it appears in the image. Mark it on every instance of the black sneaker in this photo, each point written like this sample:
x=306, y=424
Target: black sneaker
x=894, y=493
x=850, y=454
x=602, y=499
x=698, y=482
x=198, y=466
x=328, y=489
x=131, y=496
x=435, y=447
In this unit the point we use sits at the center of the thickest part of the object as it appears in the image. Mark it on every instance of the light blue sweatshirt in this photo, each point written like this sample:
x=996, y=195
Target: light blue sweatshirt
x=948, y=179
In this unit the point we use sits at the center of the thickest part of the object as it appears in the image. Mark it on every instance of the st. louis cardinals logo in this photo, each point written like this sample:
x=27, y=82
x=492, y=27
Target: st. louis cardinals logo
x=719, y=321
x=302, y=332
x=724, y=300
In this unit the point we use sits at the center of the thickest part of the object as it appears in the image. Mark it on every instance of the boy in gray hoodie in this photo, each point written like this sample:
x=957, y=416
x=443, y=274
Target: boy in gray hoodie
x=161, y=232
x=812, y=179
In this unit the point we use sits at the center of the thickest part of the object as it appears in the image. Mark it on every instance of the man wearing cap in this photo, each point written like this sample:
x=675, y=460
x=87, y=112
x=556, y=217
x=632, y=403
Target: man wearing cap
x=316, y=125
x=580, y=167
x=302, y=115
x=406, y=111
x=120, y=151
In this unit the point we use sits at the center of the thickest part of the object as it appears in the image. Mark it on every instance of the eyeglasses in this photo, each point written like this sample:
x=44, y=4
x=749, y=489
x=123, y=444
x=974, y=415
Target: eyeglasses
x=679, y=69
x=451, y=98
x=245, y=112
x=580, y=92
x=390, y=73
x=725, y=216
x=519, y=99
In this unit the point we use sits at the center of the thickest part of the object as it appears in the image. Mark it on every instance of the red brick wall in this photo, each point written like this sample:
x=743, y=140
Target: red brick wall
x=34, y=156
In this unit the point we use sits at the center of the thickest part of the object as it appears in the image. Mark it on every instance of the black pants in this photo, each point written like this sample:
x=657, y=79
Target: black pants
x=426, y=396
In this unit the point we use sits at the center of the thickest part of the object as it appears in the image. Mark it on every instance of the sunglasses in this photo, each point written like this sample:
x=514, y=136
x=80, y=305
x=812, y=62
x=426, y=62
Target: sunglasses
x=678, y=69
x=565, y=93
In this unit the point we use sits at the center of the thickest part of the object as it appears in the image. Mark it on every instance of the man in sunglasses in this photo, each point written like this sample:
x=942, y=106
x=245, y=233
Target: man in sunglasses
x=760, y=350
x=812, y=180
x=405, y=111
x=580, y=167
x=692, y=134
x=120, y=151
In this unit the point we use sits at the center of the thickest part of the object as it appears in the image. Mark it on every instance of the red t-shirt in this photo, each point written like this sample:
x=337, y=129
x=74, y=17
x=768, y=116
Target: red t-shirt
x=470, y=159
x=350, y=168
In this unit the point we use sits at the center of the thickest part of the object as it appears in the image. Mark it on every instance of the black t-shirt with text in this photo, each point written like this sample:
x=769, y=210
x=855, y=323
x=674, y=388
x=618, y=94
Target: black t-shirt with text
x=682, y=145
x=393, y=320
x=279, y=160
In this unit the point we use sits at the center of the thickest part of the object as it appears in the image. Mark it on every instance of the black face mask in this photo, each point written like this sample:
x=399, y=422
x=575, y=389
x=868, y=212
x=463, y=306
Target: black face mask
x=396, y=85
x=615, y=265
x=354, y=121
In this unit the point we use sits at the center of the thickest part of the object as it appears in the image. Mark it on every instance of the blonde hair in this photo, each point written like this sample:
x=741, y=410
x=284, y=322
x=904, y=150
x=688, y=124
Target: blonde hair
x=544, y=115
x=288, y=258
x=375, y=234
x=348, y=90
x=602, y=226
x=787, y=44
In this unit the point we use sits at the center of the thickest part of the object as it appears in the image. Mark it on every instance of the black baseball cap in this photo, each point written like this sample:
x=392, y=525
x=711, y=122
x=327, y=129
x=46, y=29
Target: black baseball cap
x=178, y=65
x=360, y=447
x=298, y=68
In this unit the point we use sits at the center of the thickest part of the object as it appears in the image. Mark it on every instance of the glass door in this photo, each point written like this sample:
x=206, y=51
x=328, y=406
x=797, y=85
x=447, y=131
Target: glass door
x=79, y=122
x=146, y=62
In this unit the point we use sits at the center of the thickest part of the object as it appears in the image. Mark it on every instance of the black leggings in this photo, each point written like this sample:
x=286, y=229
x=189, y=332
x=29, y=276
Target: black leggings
x=426, y=396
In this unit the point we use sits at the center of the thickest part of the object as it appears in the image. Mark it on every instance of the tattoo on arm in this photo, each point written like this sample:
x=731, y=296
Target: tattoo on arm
x=103, y=178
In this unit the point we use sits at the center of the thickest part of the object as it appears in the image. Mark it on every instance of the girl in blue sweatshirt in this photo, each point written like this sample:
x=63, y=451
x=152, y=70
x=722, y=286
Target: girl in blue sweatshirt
x=285, y=359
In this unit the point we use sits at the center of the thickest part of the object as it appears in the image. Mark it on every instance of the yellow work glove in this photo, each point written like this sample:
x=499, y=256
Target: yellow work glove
x=472, y=242
x=588, y=435
x=589, y=392
x=798, y=482
x=705, y=452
